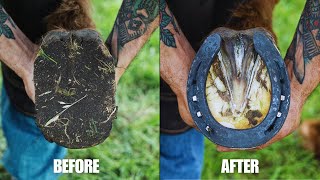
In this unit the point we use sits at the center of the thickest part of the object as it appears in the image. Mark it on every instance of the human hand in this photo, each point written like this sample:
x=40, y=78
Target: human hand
x=27, y=75
x=176, y=56
x=174, y=69
x=19, y=55
x=17, y=51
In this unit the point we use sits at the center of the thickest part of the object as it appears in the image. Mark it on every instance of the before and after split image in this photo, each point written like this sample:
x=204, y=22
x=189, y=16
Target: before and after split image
x=159, y=89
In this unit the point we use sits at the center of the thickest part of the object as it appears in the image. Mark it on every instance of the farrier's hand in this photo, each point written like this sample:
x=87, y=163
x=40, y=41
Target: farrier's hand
x=175, y=64
x=303, y=65
x=20, y=56
x=176, y=56
x=17, y=51
x=21, y=60
x=27, y=76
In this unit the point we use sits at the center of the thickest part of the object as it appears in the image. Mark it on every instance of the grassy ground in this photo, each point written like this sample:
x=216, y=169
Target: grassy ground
x=285, y=159
x=132, y=150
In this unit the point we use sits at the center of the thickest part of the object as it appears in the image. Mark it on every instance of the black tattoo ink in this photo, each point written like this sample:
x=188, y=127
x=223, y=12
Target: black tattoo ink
x=166, y=36
x=134, y=18
x=4, y=28
x=309, y=22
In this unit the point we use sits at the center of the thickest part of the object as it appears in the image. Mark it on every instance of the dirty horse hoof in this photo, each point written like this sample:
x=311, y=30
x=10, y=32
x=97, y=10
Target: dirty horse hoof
x=74, y=78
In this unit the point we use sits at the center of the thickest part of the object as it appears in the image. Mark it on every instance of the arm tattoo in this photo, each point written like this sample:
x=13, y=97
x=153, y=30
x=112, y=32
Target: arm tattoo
x=133, y=20
x=308, y=34
x=4, y=28
x=166, y=36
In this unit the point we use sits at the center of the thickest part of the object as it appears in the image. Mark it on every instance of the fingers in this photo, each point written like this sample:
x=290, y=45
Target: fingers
x=176, y=56
x=184, y=109
x=28, y=74
x=30, y=88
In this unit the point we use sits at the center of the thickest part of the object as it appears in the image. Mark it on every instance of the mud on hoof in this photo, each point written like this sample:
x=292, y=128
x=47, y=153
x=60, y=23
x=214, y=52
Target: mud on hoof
x=74, y=77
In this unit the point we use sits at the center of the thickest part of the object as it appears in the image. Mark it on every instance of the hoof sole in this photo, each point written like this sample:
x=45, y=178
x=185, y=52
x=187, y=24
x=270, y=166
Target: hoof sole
x=74, y=78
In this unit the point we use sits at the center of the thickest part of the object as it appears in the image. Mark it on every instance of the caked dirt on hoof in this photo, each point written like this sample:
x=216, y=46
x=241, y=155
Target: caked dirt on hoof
x=74, y=78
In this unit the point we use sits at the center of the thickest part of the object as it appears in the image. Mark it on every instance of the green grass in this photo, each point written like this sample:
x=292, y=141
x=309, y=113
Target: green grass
x=285, y=159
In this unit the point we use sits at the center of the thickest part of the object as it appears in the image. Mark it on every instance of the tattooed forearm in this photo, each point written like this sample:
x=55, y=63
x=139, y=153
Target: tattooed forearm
x=166, y=19
x=133, y=20
x=4, y=28
x=307, y=37
x=136, y=21
x=16, y=50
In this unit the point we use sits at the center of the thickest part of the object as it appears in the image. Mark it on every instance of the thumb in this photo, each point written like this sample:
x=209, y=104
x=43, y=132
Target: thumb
x=30, y=89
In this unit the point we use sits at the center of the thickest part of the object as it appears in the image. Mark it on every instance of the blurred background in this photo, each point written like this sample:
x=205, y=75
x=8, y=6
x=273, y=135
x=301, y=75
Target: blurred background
x=132, y=150
x=286, y=159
